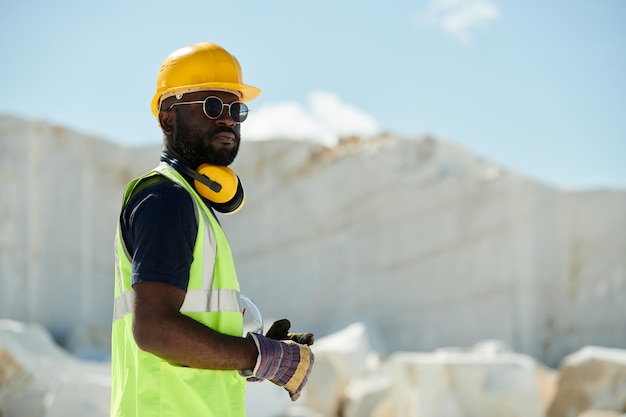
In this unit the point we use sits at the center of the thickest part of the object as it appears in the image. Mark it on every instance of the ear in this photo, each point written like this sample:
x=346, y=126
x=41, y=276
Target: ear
x=167, y=121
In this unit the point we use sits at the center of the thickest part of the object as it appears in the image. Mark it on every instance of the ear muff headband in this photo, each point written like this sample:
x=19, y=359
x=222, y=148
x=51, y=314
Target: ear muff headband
x=218, y=184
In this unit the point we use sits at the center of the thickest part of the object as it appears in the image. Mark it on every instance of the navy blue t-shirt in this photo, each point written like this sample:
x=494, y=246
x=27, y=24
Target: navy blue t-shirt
x=159, y=229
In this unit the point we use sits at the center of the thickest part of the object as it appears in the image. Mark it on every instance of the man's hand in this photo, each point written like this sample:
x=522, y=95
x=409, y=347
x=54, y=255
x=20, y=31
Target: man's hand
x=285, y=363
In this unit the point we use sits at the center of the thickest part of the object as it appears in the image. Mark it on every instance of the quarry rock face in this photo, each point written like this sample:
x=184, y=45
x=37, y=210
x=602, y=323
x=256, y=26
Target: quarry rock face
x=592, y=379
x=60, y=200
x=423, y=241
x=13, y=377
x=430, y=246
x=50, y=381
x=350, y=378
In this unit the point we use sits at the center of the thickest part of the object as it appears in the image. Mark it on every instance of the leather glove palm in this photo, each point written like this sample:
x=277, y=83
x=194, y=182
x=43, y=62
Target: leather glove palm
x=280, y=331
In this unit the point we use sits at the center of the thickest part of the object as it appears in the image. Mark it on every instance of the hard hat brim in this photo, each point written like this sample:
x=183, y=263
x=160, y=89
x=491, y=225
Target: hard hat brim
x=245, y=92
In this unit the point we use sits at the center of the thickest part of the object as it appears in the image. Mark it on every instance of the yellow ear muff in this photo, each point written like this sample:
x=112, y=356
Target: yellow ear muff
x=224, y=189
x=224, y=176
x=218, y=184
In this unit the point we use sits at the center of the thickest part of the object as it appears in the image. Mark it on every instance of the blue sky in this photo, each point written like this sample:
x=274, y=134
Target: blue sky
x=536, y=86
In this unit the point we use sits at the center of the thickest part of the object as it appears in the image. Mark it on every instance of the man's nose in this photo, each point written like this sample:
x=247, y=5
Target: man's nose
x=225, y=118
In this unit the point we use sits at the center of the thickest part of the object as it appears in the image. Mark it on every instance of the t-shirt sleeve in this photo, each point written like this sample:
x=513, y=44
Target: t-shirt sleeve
x=159, y=228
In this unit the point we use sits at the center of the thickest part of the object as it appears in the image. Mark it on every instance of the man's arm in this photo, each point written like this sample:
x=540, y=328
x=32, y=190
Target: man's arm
x=160, y=328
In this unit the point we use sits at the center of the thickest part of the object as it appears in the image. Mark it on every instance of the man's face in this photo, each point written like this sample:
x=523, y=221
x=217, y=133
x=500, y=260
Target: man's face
x=199, y=139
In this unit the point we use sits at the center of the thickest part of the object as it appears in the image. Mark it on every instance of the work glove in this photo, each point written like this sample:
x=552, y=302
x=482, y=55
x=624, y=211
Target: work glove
x=280, y=331
x=286, y=363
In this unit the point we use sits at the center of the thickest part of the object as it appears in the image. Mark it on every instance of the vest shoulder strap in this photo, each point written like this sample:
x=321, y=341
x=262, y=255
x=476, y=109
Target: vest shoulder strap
x=144, y=182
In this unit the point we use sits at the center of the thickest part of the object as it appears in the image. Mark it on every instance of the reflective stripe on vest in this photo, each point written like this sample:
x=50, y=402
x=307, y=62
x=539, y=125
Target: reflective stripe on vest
x=196, y=301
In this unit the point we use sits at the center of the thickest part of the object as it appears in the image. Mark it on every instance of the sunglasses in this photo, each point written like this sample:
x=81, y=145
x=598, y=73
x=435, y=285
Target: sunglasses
x=214, y=106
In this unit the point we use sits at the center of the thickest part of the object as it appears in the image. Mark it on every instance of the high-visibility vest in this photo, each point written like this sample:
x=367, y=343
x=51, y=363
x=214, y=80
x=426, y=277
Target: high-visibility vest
x=144, y=385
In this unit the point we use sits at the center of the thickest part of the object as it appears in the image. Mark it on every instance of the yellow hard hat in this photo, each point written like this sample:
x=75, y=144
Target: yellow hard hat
x=203, y=66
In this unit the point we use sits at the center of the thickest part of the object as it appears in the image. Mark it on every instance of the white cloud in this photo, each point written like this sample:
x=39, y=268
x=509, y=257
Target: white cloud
x=458, y=17
x=324, y=120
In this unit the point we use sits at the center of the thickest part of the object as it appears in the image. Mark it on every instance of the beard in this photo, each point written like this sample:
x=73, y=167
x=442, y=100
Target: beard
x=196, y=148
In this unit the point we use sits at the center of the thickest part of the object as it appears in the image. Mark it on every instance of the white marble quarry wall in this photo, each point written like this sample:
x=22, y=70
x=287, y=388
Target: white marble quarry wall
x=59, y=196
x=423, y=241
x=430, y=246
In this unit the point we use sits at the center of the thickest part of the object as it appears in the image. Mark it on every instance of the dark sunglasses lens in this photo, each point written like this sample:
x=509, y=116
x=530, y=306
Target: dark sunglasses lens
x=213, y=107
x=238, y=111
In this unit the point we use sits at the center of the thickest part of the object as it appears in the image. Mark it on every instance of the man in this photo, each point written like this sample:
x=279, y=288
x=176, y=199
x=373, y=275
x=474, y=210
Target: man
x=177, y=343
